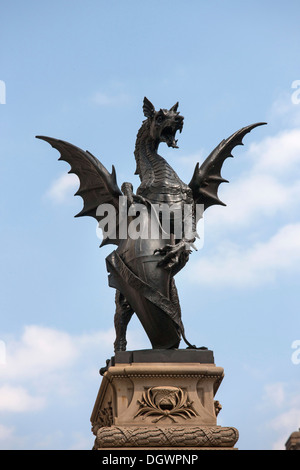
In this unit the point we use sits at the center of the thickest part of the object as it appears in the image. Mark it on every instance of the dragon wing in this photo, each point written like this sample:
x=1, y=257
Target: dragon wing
x=207, y=178
x=97, y=185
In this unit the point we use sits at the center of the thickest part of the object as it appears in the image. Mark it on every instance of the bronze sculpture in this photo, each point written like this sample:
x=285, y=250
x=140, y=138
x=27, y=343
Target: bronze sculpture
x=142, y=268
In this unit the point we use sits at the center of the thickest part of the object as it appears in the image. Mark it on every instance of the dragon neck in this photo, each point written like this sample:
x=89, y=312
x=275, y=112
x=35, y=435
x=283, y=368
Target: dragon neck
x=150, y=166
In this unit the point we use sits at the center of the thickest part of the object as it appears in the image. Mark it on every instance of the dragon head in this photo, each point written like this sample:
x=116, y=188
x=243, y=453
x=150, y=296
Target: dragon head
x=163, y=123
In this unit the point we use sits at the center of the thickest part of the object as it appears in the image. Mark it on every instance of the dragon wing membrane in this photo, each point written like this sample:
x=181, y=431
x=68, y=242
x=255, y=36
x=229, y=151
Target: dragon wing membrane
x=207, y=178
x=97, y=185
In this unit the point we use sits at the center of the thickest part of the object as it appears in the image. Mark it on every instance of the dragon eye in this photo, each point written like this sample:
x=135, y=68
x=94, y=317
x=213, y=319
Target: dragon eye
x=159, y=119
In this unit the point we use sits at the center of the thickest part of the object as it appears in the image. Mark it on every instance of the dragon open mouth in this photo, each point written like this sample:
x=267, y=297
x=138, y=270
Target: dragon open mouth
x=168, y=135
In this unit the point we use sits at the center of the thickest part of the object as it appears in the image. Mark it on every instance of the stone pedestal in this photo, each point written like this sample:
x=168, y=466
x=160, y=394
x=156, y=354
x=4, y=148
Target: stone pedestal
x=160, y=399
x=293, y=442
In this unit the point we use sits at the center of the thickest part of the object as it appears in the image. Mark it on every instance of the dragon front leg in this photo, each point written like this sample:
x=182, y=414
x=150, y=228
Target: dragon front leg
x=175, y=256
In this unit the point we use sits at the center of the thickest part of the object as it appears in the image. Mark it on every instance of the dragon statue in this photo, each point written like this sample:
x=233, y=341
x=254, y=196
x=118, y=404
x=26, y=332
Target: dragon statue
x=142, y=269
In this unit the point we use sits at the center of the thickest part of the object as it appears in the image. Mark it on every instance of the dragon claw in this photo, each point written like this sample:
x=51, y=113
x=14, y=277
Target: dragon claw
x=174, y=255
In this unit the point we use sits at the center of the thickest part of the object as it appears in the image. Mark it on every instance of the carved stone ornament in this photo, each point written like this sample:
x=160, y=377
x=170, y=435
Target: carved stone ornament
x=173, y=436
x=165, y=402
x=104, y=418
x=160, y=404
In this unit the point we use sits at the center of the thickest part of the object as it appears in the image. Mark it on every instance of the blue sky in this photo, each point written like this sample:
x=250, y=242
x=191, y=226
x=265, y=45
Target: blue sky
x=79, y=71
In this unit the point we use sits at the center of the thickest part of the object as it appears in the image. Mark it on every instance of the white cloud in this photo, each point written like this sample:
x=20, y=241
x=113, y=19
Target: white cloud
x=271, y=187
x=6, y=432
x=17, y=399
x=282, y=403
x=239, y=266
x=63, y=187
x=40, y=350
x=275, y=394
x=49, y=369
x=43, y=362
x=278, y=154
x=249, y=199
x=266, y=195
x=286, y=421
x=285, y=112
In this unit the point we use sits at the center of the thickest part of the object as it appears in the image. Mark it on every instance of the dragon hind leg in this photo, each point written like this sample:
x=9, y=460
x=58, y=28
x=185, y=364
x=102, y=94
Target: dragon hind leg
x=122, y=317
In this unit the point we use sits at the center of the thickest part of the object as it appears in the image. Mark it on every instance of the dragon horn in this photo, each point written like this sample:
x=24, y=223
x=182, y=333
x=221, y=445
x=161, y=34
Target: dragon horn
x=175, y=107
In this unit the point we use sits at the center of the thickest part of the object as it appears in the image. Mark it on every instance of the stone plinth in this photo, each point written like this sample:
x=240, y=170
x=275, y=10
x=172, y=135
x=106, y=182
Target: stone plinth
x=293, y=442
x=160, y=399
